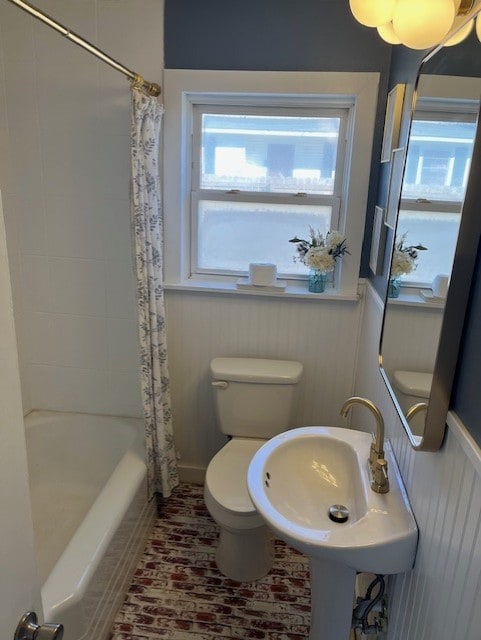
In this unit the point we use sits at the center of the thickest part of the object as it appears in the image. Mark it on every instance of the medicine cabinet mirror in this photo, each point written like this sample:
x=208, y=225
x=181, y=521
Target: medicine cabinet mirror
x=438, y=209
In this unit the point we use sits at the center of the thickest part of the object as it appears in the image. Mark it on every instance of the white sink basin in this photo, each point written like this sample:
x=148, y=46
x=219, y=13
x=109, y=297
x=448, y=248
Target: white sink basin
x=296, y=476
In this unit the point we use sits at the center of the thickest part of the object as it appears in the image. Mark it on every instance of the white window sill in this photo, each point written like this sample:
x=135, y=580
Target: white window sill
x=412, y=297
x=291, y=291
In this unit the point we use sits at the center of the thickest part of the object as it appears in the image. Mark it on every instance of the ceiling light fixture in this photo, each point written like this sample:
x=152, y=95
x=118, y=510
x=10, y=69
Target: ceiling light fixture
x=417, y=24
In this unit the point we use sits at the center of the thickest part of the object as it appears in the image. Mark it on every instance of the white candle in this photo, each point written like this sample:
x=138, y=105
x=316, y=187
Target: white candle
x=440, y=286
x=262, y=274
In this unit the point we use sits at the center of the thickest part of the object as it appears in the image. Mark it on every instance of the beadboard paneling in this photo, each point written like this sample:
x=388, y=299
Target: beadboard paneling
x=417, y=328
x=441, y=598
x=321, y=334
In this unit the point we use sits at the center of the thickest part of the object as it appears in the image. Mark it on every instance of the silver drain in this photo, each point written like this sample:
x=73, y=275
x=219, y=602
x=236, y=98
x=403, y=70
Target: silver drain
x=339, y=513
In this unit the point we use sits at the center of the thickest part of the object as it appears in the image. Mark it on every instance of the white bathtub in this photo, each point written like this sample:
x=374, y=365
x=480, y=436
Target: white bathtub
x=90, y=514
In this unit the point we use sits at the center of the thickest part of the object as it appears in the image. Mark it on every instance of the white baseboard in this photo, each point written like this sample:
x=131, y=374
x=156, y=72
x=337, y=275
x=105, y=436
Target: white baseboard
x=194, y=474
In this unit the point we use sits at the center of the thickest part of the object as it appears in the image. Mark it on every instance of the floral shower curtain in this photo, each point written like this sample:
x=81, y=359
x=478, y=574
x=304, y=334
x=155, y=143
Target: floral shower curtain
x=147, y=231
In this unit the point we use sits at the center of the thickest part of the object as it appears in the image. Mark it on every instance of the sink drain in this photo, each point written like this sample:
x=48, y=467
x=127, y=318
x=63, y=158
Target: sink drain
x=338, y=513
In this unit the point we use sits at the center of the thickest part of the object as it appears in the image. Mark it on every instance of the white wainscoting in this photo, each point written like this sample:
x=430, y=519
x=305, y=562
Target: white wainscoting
x=441, y=598
x=323, y=335
x=422, y=324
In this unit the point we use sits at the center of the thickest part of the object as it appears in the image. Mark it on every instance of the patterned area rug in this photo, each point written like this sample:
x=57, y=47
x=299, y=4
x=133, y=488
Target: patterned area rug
x=178, y=593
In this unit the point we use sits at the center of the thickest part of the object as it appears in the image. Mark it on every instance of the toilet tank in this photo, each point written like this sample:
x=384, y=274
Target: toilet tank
x=254, y=397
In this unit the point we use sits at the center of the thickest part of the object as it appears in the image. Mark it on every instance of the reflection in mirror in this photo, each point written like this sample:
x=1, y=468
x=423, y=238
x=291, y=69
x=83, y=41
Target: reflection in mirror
x=436, y=174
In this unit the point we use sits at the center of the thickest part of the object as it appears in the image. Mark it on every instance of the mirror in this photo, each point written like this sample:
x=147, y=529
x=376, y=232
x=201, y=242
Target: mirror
x=435, y=243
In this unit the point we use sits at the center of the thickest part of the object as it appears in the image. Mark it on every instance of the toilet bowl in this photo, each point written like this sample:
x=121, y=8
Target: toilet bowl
x=254, y=400
x=245, y=550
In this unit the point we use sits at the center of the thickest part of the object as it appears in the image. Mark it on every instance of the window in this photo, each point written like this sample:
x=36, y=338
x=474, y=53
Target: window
x=434, y=184
x=262, y=175
x=251, y=160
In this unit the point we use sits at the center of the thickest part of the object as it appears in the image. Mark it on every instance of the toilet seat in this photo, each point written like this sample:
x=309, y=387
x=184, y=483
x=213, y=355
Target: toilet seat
x=226, y=476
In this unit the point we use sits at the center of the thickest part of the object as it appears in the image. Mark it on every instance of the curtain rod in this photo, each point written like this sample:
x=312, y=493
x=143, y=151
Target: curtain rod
x=150, y=87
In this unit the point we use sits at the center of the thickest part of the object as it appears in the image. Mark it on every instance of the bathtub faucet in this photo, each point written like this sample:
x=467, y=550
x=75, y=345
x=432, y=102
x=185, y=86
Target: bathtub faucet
x=377, y=463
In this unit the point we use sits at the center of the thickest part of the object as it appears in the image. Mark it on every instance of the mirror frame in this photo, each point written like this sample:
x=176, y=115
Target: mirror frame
x=455, y=306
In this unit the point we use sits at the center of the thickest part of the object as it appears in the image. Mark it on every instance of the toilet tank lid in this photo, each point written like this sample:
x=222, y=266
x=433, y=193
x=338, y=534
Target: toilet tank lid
x=414, y=383
x=256, y=370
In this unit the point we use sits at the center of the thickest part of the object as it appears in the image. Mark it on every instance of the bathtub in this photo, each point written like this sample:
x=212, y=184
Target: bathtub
x=90, y=514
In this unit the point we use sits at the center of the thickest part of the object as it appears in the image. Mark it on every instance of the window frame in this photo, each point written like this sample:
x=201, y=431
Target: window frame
x=184, y=87
x=427, y=110
x=275, y=106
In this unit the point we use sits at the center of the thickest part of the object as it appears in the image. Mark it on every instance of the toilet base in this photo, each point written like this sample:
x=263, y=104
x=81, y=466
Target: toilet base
x=247, y=555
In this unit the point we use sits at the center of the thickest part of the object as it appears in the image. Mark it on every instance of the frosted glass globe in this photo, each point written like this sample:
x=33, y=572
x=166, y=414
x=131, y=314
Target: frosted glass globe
x=386, y=32
x=372, y=13
x=421, y=24
x=461, y=34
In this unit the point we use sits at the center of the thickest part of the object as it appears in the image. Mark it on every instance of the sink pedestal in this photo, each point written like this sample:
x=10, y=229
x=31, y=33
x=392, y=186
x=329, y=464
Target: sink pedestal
x=332, y=597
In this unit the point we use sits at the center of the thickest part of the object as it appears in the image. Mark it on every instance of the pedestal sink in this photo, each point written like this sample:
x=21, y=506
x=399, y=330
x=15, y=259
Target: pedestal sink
x=294, y=480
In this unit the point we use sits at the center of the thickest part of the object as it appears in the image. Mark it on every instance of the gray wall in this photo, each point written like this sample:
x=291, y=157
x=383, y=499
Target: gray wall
x=404, y=68
x=279, y=35
x=286, y=35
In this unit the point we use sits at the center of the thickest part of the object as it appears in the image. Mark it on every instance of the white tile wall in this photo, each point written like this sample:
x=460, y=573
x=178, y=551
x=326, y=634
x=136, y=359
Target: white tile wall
x=441, y=598
x=74, y=223
x=120, y=284
x=64, y=170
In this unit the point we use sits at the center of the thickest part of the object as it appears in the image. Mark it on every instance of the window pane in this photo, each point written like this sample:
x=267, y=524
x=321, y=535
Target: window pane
x=277, y=154
x=231, y=235
x=436, y=231
x=438, y=160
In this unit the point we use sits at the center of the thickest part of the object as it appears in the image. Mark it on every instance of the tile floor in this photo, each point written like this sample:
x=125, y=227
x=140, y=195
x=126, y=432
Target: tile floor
x=178, y=593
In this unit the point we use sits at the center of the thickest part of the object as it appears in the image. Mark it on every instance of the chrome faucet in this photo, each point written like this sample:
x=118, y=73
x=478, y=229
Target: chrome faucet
x=377, y=463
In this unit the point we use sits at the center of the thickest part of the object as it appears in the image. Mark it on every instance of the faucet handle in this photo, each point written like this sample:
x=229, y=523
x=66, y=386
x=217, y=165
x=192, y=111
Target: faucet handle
x=382, y=466
x=380, y=480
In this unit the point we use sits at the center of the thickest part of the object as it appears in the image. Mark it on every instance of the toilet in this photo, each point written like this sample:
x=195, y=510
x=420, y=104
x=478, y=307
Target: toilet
x=413, y=387
x=254, y=400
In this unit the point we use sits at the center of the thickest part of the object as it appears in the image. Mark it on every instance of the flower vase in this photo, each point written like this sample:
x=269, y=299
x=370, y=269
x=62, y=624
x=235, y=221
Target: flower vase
x=316, y=281
x=394, y=287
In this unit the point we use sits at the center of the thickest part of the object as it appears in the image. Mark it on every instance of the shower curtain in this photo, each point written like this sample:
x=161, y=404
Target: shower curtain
x=147, y=232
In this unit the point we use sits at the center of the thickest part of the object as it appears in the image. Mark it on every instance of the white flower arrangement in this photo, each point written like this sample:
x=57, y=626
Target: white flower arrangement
x=319, y=253
x=404, y=257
